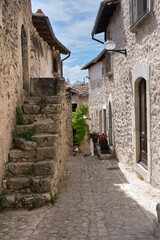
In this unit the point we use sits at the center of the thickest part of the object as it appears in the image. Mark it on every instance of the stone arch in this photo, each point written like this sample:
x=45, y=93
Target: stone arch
x=141, y=71
x=25, y=59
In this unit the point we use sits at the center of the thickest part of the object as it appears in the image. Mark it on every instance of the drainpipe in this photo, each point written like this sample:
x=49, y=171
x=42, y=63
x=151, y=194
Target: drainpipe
x=97, y=39
x=69, y=54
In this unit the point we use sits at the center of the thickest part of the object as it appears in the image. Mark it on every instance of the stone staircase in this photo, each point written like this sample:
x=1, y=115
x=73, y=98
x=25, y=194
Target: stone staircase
x=32, y=171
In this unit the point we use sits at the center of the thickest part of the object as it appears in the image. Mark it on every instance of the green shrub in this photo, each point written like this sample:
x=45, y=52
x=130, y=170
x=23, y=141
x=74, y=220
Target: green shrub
x=79, y=124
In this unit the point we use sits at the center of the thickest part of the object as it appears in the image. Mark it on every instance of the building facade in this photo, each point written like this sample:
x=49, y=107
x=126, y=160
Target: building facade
x=30, y=56
x=132, y=82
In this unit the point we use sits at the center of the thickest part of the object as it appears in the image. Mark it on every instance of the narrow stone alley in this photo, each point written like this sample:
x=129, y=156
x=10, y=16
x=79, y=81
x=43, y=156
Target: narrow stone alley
x=99, y=200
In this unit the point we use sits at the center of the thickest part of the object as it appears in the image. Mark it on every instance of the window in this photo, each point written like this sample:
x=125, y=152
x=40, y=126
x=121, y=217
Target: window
x=139, y=10
x=74, y=106
x=108, y=63
x=55, y=65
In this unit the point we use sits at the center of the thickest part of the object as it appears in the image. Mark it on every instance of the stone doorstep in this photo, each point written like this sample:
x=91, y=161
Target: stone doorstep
x=103, y=156
x=28, y=200
x=43, y=168
x=28, y=184
x=44, y=140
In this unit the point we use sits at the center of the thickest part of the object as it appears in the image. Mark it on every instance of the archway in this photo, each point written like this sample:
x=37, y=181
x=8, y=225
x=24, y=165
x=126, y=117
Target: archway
x=143, y=122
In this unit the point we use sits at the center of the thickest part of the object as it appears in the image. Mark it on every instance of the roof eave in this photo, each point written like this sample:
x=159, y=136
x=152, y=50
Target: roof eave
x=55, y=42
x=97, y=59
x=106, y=8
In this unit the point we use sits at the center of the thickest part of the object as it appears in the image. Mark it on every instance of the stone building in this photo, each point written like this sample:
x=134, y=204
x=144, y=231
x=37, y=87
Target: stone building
x=31, y=80
x=80, y=96
x=129, y=82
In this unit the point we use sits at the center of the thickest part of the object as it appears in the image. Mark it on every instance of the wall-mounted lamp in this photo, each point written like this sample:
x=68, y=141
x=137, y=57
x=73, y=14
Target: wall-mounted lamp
x=110, y=45
x=86, y=118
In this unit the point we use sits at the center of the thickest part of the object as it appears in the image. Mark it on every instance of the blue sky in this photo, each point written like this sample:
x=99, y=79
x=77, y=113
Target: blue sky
x=72, y=22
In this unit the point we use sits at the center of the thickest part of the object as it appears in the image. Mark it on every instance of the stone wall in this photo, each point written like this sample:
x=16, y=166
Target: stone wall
x=10, y=69
x=15, y=73
x=142, y=50
x=68, y=124
x=97, y=96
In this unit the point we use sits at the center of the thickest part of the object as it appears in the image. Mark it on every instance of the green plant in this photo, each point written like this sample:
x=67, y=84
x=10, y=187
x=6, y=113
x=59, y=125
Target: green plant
x=26, y=102
x=2, y=199
x=79, y=124
x=35, y=156
x=19, y=117
x=27, y=135
x=32, y=170
x=34, y=206
x=53, y=199
x=15, y=204
x=30, y=121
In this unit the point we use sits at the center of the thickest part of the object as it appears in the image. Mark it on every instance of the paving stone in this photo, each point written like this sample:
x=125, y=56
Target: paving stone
x=93, y=204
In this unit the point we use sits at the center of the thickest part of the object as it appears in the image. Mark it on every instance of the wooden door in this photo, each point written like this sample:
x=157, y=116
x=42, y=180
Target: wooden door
x=143, y=122
x=104, y=121
x=110, y=124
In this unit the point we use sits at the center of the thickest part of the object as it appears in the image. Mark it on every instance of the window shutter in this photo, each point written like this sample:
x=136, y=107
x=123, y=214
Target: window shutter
x=108, y=61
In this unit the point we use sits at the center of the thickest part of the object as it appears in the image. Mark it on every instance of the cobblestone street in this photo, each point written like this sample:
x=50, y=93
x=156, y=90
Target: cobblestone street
x=99, y=200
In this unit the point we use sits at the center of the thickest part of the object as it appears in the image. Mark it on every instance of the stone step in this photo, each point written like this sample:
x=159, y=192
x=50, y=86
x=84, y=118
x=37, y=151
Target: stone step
x=46, y=153
x=29, y=201
x=52, y=100
x=22, y=144
x=45, y=126
x=45, y=140
x=45, y=108
x=17, y=155
x=30, y=119
x=51, y=108
x=31, y=108
x=32, y=100
x=42, y=100
x=28, y=184
x=44, y=168
x=41, y=153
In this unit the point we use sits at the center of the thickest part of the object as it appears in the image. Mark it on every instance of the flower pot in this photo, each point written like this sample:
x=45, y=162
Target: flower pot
x=103, y=145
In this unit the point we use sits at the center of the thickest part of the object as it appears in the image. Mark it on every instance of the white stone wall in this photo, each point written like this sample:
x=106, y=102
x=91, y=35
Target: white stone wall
x=97, y=95
x=142, y=47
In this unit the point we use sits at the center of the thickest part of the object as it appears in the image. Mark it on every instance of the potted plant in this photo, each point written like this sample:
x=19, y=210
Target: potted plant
x=103, y=142
x=94, y=136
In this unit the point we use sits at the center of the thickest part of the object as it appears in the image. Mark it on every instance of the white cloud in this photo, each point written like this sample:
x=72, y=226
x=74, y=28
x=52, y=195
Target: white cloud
x=72, y=22
x=74, y=73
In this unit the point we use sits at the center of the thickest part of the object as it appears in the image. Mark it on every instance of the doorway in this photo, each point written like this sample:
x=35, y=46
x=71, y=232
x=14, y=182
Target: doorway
x=143, y=122
x=110, y=124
